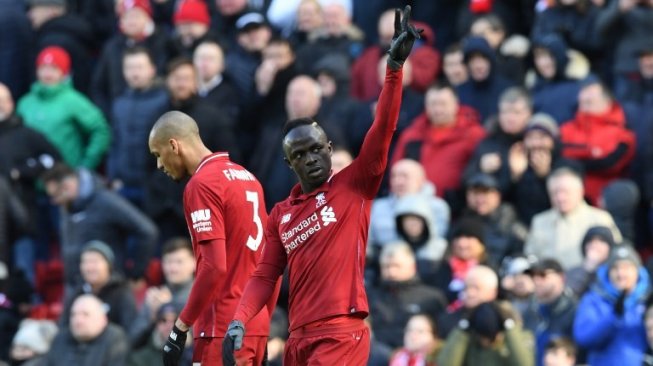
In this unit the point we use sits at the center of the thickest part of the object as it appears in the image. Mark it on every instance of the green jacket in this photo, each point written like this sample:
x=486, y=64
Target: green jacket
x=69, y=120
x=462, y=349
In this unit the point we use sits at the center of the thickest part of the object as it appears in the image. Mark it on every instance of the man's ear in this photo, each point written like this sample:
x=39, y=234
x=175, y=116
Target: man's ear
x=287, y=162
x=330, y=145
x=174, y=145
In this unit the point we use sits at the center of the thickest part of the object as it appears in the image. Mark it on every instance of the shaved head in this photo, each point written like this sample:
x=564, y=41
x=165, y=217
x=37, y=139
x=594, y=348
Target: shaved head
x=175, y=142
x=174, y=125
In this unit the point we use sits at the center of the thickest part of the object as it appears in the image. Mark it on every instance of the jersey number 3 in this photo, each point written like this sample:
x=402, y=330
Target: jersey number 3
x=253, y=243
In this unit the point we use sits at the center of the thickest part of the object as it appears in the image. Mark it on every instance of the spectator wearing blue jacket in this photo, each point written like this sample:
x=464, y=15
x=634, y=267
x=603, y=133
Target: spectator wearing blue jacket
x=608, y=322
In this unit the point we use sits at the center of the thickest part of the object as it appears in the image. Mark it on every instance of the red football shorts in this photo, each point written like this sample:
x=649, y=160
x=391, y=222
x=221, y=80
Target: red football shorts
x=350, y=348
x=208, y=351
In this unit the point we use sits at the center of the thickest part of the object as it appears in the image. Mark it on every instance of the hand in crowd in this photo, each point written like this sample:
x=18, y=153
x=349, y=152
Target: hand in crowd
x=265, y=75
x=490, y=163
x=518, y=161
x=155, y=297
x=540, y=160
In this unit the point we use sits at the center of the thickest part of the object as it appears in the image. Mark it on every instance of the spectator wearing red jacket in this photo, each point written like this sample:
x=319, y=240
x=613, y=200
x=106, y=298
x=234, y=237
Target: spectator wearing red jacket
x=425, y=59
x=442, y=138
x=598, y=138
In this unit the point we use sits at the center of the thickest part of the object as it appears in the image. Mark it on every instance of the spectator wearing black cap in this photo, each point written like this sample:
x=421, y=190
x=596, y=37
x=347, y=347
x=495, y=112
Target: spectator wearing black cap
x=466, y=249
x=596, y=247
x=609, y=317
x=553, y=312
x=253, y=35
x=532, y=162
x=99, y=279
x=484, y=86
x=503, y=233
x=621, y=198
x=151, y=353
x=491, y=335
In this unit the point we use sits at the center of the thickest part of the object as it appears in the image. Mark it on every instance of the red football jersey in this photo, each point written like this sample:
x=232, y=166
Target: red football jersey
x=322, y=236
x=223, y=203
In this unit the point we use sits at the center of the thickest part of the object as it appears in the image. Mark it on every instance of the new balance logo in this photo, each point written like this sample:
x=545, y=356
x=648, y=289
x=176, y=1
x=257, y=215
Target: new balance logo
x=328, y=216
x=200, y=215
x=285, y=218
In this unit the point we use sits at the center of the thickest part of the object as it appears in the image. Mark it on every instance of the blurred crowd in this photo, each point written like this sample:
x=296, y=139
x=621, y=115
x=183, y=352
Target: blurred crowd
x=513, y=227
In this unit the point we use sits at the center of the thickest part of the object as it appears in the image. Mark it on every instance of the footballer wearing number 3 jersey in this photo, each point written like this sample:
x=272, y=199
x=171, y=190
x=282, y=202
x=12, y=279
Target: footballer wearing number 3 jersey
x=226, y=216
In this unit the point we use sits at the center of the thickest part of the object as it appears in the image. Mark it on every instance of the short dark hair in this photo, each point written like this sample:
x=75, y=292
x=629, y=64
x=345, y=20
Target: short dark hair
x=178, y=62
x=562, y=343
x=278, y=40
x=453, y=48
x=137, y=50
x=493, y=20
x=58, y=173
x=442, y=85
x=297, y=122
x=176, y=243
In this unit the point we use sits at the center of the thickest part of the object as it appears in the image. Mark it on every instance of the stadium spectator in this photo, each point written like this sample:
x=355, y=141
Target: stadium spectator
x=420, y=344
x=560, y=352
x=596, y=247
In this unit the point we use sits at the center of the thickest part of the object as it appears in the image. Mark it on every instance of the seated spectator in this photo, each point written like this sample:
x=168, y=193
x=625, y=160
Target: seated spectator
x=99, y=279
x=136, y=28
x=560, y=352
x=400, y=295
x=517, y=284
x=178, y=265
x=554, y=92
x=32, y=342
x=638, y=88
x=191, y=26
x=532, y=162
x=555, y=306
x=609, y=322
x=491, y=335
x=503, y=233
x=596, y=247
x=442, y=139
x=424, y=56
x=213, y=85
x=466, y=250
x=73, y=124
x=510, y=49
x=16, y=299
x=558, y=232
x=481, y=285
x=89, y=339
x=133, y=114
x=407, y=177
x=309, y=22
x=504, y=132
x=340, y=159
x=485, y=84
x=598, y=138
x=421, y=343
x=416, y=226
x=453, y=66
x=152, y=352
x=106, y=217
x=621, y=199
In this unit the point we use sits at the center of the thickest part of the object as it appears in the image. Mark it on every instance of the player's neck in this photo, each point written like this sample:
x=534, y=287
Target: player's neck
x=195, y=157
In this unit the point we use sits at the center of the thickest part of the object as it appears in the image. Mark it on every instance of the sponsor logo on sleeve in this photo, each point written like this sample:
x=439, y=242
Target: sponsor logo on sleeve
x=201, y=220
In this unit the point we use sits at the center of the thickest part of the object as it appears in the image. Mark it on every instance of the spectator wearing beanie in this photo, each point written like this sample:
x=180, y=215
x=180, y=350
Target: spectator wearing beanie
x=137, y=28
x=609, y=317
x=466, y=250
x=490, y=336
x=531, y=165
x=191, y=21
x=99, y=279
x=71, y=122
x=596, y=247
x=621, y=199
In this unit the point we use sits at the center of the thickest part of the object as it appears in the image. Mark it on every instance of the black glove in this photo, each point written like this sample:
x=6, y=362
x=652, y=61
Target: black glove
x=403, y=39
x=233, y=341
x=174, y=347
x=619, y=304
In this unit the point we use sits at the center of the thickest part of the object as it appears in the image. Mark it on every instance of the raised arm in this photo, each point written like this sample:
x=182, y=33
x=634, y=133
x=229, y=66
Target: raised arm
x=373, y=158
